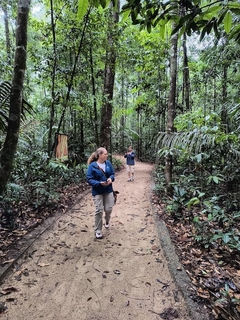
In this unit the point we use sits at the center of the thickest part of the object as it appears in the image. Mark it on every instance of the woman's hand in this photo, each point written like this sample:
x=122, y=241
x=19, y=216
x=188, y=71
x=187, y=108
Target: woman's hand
x=106, y=183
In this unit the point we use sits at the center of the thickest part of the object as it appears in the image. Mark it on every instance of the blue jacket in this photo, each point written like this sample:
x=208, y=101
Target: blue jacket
x=95, y=176
x=130, y=158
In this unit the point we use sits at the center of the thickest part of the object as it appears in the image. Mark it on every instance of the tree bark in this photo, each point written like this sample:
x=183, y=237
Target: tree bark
x=7, y=34
x=53, y=75
x=186, y=77
x=171, y=108
x=106, y=111
x=94, y=98
x=70, y=84
x=11, y=141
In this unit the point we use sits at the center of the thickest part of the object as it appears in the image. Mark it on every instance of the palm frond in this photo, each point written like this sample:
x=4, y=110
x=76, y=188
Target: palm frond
x=5, y=91
x=192, y=142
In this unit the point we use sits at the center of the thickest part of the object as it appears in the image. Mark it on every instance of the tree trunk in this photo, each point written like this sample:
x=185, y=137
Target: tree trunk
x=224, y=97
x=52, y=111
x=171, y=108
x=122, y=119
x=70, y=84
x=94, y=98
x=11, y=141
x=106, y=111
x=186, y=77
x=6, y=23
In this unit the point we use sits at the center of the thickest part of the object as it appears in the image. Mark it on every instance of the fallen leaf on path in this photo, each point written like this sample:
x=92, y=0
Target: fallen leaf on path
x=42, y=264
x=8, y=290
x=124, y=292
x=8, y=261
x=117, y=272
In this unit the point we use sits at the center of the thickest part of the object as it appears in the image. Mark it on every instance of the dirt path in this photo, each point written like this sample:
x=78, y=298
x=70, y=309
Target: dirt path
x=67, y=274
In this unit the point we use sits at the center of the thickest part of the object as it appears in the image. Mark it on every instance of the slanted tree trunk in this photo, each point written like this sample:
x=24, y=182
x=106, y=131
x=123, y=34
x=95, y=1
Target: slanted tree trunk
x=106, y=111
x=171, y=108
x=71, y=81
x=10, y=144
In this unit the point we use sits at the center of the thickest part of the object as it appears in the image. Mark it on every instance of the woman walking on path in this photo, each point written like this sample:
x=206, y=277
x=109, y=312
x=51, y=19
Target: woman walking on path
x=130, y=162
x=100, y=175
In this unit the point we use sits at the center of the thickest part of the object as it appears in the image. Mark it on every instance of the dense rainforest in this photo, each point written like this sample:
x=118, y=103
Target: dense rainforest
x=162, y=76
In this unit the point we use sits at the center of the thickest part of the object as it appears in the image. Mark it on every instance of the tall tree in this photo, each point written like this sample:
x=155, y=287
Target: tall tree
x=7, y=33
x=171, y=107
x=53, y=76
x=11, y=141
x=186, y=76
x=106, y=111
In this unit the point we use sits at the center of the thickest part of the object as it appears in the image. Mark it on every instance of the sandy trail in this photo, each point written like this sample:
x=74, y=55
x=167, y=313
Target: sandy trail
x=68, y=274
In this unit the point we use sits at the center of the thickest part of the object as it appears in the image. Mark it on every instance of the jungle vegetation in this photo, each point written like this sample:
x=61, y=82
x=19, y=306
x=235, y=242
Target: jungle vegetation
x=162, y=76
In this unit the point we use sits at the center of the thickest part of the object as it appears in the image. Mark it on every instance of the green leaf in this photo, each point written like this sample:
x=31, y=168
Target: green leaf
x=226, y=238
x=234, y=5
x=125, y=14
x=192, y=202
x=228, y=22
x=82, y=8
x=215, y=179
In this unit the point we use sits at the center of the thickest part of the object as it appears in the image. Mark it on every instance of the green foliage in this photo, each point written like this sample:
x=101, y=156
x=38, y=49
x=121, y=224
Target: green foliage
x=38, y=185
x=203, y=192
x=196, y=16
x=228, y=303
x=117, y=164
x=5, y=91
x=231, y=238
x=197, y=119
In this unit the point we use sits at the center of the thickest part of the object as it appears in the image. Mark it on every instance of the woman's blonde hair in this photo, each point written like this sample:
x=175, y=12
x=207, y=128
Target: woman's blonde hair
x=95, y=155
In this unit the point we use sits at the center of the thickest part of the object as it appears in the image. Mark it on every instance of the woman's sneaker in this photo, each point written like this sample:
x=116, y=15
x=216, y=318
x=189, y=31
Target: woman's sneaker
x=107, y=225
x=98, y=235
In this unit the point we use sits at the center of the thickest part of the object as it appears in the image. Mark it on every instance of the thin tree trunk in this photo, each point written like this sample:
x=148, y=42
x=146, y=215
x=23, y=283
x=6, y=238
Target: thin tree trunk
x=214, y=94
x=224, y=83
x=186, y=77
x=52, y=111
x=95, y=98
x=224, y=97
x=11, y=141
x=7, y=34
x=106, y=111
x=122, y=119
x=73, y=73
x=171, y=108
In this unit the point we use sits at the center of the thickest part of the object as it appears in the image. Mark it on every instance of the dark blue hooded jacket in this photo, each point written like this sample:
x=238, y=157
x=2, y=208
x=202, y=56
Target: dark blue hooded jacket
x=130, y=158
x=95, y=176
